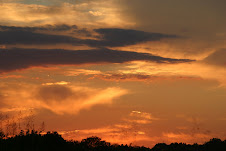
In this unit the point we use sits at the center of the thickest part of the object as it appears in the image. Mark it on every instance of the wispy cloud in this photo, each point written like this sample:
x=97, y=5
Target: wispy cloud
x=79, y=13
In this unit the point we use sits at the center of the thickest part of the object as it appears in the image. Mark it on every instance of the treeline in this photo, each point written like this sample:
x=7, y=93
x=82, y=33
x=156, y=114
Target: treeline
x=214, y=144
x=52, y=141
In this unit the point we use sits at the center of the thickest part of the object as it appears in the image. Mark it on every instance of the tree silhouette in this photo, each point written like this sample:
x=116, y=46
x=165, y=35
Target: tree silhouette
x=52, y=141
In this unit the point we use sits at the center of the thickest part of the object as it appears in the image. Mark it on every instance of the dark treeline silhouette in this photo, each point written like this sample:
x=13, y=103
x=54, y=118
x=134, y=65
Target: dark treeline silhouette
x=52, y=141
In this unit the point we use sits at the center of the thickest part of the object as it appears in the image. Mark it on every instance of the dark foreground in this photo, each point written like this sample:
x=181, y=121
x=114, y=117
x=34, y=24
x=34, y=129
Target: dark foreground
x=52, y=141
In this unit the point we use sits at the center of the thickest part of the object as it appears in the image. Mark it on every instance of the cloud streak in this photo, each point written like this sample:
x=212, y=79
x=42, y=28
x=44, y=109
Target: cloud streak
x=107, y=37
x=61, y=27
x=123, y=37
x=16, y=59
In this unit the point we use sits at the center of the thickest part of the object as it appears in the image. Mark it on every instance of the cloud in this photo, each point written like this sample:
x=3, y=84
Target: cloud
x=71, y=100
x=60, y=99
x=138, y=117
x=108, y=37
x=57, y=83
x=196, y=71
x=144, y=115
x=60, y=27
x=11, y=76
x=217, y=58
x=40, y=13
x=56, y=93
x=148, y=77
x=123, y=77
x=31, y=38
x=122, y=37
x=95, y=13
x=15, y=59
x=76, y=72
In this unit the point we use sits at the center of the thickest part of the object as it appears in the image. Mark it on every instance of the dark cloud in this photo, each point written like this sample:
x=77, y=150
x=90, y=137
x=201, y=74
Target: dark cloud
x=29, y=38
x=122, y=37
x=109, y=37
x=62, y=27
x=13, y=59
x=217, y=58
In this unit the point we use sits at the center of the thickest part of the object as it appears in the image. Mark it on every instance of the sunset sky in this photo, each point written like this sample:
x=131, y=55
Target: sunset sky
x=128, y=71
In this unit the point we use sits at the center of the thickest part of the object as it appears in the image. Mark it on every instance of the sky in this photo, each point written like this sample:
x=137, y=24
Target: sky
x=128, y=71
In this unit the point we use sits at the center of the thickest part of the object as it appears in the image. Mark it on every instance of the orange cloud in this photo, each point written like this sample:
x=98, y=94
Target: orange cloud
x=58, y=97
x=11, y=76
x=193, y=71
x=143, y=115
x=57, y=83
x=101, y=13
x=76, y=72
